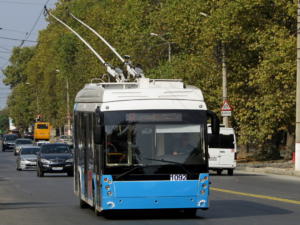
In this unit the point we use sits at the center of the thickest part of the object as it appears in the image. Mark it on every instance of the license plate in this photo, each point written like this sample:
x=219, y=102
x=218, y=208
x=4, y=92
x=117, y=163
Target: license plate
x=57, y=168
x=178, y=177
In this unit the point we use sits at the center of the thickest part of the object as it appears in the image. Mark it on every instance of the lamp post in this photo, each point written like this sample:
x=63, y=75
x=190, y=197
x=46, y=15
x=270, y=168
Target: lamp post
x=169, y=44
x=224, y=75
x=37, y=99
x=68, y=105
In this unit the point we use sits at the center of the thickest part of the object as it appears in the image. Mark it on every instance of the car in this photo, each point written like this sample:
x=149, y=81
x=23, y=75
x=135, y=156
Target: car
x=8, y=141
x=55, y=158
x=27, y=157
x=21, y=142
x=28, y=135
x=40, y=143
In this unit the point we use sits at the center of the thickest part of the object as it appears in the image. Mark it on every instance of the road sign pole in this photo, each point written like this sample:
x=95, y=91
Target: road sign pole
x=297, y=132
x=224, y=82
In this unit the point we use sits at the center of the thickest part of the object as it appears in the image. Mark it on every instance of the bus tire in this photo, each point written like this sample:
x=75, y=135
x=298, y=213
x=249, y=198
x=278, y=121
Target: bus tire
x=230, y=172
x=70, y=174
x=219, y=171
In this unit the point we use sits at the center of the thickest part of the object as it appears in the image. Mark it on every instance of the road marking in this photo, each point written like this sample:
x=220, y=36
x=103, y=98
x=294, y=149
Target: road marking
x=257, y=196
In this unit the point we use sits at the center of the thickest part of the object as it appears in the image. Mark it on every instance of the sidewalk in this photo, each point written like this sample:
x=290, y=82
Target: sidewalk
x=279, y=168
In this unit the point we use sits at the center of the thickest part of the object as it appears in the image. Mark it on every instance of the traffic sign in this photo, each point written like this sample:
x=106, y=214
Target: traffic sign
x=226, y=106
x=225, y=113
x=226, y=109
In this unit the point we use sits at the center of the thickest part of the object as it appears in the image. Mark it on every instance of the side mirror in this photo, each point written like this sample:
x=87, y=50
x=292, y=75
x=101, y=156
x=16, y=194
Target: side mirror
x=215, y=122
x=97, y=126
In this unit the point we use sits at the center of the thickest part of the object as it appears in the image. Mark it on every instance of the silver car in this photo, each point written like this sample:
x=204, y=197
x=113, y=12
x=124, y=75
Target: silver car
x=20, y=142
x=27, y=157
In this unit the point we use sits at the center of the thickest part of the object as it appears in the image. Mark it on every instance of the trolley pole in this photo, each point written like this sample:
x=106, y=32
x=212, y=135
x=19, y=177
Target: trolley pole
x=297, y=132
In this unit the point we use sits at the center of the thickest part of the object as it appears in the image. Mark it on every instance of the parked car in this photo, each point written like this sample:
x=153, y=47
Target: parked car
x=8, y=141
x=55, y=158
x=21, y=142
x=27, y=157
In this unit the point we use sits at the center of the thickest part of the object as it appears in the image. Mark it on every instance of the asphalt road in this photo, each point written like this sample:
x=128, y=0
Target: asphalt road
x=243, y=199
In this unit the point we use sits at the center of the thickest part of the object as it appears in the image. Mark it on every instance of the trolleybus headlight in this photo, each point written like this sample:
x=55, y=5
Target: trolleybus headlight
x=109, y=193
x=204, y=186
x=204, y=179
x=202, y=192
x=107, y=187
x=105, y=179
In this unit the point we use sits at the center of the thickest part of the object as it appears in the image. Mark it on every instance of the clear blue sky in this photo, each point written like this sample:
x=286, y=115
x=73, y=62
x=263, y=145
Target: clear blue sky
x=17, y=19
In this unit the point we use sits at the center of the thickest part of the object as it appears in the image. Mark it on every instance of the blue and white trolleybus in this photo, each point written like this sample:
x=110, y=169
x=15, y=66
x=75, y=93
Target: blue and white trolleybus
x=142, y=145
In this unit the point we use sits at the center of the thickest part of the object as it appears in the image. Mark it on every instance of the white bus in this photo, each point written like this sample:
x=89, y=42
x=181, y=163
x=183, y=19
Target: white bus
x=222, y=151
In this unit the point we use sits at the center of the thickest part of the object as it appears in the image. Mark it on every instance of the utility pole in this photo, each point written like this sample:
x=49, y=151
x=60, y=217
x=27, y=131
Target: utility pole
x=68, y=108
x=297, y=132
x=224, y=81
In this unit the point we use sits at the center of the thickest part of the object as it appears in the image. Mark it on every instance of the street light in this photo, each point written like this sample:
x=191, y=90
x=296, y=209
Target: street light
x=68, y=105
x=224, y=75
x=169, y=44
x=37, y=99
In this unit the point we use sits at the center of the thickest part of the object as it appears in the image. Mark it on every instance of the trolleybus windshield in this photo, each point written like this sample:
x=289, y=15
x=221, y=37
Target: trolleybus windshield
x=154, y=140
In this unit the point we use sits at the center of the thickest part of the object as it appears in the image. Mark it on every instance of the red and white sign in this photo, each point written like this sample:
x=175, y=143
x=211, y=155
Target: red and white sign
x=226, y=109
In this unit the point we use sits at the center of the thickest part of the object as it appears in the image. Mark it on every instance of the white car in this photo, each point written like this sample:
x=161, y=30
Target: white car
x=27, y=157
x=40, y=143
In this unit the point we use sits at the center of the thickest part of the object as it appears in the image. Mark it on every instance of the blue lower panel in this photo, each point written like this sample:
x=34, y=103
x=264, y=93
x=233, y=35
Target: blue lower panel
x=154, y=203
x=155, y=194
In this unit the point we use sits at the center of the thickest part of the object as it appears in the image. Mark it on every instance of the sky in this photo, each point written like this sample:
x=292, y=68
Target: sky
x=19, y=19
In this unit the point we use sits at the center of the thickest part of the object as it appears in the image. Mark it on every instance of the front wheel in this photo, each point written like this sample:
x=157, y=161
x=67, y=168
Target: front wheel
x=230, y=172
x=18, y=168
x=70, y=174
x=39, y=171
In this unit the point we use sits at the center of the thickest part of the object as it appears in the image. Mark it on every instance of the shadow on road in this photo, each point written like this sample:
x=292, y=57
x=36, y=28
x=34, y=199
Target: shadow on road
x=22, y=205
x=221, y=209
x=148, y=214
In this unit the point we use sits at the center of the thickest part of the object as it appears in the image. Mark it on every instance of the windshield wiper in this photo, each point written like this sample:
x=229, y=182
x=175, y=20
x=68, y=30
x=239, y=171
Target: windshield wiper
x=128, y=171
x=167, y=161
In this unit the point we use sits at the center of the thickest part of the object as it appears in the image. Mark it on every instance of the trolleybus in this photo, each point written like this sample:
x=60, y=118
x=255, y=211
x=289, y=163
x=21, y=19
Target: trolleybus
x=129, y=150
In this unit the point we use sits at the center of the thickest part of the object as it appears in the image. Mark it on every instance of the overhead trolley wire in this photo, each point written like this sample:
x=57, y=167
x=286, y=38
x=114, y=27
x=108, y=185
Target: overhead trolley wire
x=34, y=25
x=16, y=39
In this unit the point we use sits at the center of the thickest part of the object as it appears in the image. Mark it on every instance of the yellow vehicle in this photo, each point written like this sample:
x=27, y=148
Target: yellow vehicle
x=42, y=131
